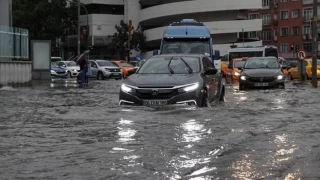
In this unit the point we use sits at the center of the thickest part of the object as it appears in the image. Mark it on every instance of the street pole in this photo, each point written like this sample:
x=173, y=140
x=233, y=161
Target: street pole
x=314, y=44
x=78, y=28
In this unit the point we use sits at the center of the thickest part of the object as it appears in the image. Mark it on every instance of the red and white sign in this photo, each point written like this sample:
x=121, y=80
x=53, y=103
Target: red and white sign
x=301, y=54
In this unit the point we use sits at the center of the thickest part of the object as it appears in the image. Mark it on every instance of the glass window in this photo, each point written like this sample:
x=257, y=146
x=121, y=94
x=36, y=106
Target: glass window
x=295, y=13
x=104, y=9
x=295, y=31
x=187, y=46
x=284, y=31
x=266, y=19
x=105, y=63
x=239, y=64
x=254, y=16
x=233, y=55
x=159, y=65
x=284, y=48
x=257, y=63
x=307, y=47
x=266, y=35
x=125, y=65
x=71, y=63
x=284, y=14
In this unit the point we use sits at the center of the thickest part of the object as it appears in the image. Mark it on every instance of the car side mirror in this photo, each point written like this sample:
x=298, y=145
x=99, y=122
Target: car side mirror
x=216, y=55
x=210, y=71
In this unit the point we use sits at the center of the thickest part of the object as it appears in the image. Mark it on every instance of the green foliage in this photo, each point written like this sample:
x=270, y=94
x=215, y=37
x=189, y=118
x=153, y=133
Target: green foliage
x=44, y=20
x=119, y=42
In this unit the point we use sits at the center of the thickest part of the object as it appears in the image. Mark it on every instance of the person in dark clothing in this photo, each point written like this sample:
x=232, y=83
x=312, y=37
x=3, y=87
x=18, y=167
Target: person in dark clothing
x=83, y=63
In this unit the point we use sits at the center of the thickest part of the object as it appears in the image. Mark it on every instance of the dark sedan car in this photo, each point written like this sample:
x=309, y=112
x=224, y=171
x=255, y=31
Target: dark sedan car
x=261, y=72
x=173, y=79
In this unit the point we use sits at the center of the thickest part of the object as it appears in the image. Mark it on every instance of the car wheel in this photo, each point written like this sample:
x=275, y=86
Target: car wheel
x=222, y=95
x=282, y=86
x=100, y=76
x=204, y=100
x=241, y=87
x=69, y=74
x=289, y=76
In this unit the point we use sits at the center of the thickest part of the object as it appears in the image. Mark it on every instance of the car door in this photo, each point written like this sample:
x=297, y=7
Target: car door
x=229, y=72
x=211, y=80
x=94, y=69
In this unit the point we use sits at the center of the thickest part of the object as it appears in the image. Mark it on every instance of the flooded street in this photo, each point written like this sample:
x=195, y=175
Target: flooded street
x=72, y=133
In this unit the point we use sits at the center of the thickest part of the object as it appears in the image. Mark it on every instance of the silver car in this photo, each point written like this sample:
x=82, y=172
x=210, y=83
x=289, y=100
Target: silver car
x=102, y=69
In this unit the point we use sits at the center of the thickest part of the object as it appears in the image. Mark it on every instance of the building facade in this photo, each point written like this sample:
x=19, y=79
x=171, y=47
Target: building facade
x=227, y=20
x=286, y=24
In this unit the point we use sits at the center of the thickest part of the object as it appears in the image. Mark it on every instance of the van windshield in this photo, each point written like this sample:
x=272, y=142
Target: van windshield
x=192, y=46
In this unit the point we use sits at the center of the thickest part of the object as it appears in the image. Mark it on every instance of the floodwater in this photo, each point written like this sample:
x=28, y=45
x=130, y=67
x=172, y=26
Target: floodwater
x=71, y=133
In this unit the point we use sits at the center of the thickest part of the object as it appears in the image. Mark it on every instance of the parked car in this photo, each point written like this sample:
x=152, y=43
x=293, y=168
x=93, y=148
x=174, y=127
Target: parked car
x=102, y=69
x=293, y=73
x=124, y=66
x=261, y=72
x=72, y=68
x=58, y=71
x=173, y=79
x=234, y=70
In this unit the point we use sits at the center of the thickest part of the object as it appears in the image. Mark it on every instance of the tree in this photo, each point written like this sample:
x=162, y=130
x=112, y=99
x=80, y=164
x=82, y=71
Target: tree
x=44, y=20
x=119, y=44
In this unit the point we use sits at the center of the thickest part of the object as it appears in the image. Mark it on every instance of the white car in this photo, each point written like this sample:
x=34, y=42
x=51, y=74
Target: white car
x=102, y=69
x=57, y=71
x=72, y=68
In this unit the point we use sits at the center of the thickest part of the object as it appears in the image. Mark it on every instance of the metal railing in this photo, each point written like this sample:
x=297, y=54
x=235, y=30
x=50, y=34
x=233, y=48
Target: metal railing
x=14, y=43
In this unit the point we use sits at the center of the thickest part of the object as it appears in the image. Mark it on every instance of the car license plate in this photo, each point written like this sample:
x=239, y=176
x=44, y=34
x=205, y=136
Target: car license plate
x=155, y=102
x=116, y=74
x=261, y=84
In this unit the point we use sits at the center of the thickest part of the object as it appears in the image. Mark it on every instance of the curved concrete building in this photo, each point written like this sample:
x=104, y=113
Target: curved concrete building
x=227, y=19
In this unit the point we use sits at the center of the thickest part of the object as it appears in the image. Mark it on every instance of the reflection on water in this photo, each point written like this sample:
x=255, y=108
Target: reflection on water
x=126, y=133
x=194, y=131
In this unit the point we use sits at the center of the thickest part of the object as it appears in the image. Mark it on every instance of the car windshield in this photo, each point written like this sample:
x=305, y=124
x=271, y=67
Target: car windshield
x=105, y=63
x=234, y=55
x=53, y=64
x=258, y=63
x=125, y=65
x=239, y=64
x=72, y=63
x=186, y=46
x=159, y=65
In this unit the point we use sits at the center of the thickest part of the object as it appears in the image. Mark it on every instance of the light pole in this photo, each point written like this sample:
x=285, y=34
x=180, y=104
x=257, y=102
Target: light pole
x=314, y=44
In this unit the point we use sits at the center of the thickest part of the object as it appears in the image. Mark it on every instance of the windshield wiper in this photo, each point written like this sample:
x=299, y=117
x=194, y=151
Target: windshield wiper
x=172, y=72
x=189, y=68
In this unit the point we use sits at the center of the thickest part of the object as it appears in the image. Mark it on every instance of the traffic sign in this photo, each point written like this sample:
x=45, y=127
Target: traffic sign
x=301, y=54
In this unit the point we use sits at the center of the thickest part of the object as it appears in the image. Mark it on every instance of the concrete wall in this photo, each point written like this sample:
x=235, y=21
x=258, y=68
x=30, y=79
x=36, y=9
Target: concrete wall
x=15, y=72
x=5, y=12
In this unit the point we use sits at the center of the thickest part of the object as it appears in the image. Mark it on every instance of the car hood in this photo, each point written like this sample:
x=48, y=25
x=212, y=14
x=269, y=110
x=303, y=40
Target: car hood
x=127, y=68
x=109, y=67
x=73, y=67
x=162, y=80
x=261, y=72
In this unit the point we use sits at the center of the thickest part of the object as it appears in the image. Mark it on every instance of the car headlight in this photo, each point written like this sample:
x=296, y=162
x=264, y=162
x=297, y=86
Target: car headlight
x=243, y=78
x=279, y=77
x=52, y=71
x=236, y=74
x=189, y=88
x=74, y=70
x=127, y=89
x=107, y=70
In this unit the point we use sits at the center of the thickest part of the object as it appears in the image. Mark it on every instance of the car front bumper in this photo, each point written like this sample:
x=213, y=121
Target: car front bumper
x=112, y=75
x=59, y=74
x=249, y=84
x=193, y=97
x=74, y=73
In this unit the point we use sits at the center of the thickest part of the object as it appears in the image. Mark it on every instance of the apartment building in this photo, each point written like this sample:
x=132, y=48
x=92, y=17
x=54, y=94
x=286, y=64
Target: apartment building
x=286, y=23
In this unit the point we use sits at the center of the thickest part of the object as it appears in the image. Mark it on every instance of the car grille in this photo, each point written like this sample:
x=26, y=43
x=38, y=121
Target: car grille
x=78, y=70
x=59, y=72
x=114, y=70
x=262, y=79
x=161, y=93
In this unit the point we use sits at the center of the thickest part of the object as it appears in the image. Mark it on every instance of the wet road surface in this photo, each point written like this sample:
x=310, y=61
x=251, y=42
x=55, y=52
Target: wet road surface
x=71, y=133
